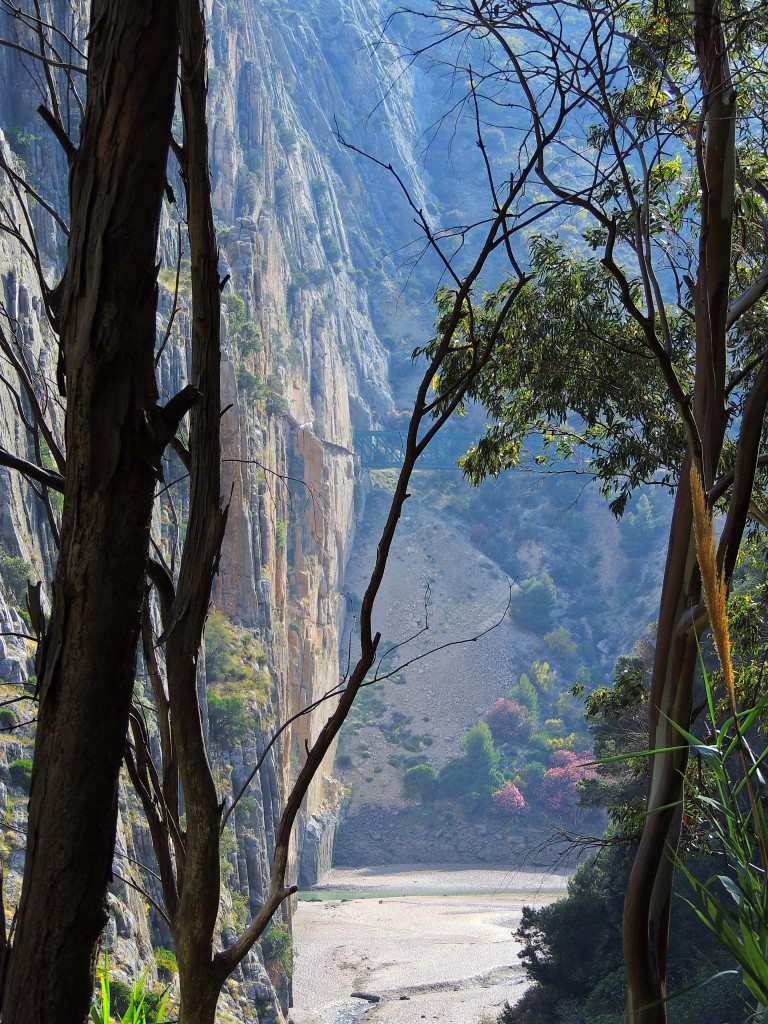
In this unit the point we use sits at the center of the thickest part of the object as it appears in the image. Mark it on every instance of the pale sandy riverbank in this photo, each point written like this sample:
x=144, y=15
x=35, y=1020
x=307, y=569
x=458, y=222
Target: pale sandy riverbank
x=440, y=937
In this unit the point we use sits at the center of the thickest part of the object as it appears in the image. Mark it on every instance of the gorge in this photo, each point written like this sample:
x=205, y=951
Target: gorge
x=501, y=605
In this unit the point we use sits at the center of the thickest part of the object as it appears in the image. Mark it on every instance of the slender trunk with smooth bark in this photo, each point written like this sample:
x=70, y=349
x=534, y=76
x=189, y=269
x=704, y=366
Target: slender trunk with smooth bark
x=682, y=616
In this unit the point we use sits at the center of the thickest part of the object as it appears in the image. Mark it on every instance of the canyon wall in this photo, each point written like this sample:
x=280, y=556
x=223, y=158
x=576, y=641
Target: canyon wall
x=303, y=227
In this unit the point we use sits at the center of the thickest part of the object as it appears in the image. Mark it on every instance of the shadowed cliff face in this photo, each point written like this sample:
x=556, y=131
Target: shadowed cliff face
x=303, y=225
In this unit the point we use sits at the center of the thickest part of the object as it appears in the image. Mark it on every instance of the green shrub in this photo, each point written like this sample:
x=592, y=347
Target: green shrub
x=8, y=718
x=249, y=382
x=129, y=1004
x=120, y=993
x=532, y=774
x=533, y=603
x=472, y=776
x=607, y=999
x=166, y=963
x=252, y=340
x=330, y=248
x=227, y=717
x=232, y=662
x=288, y=137
x=135, y=1006
x=21, y=773
x=276, y=945
x=277, y=404
x=235, y=306
x=16, y=574
x=280, y=534
x=283, y=194
x=526, y=694
x=240, y=909
x=561, y=645
x=420, y=783
x=318, y=276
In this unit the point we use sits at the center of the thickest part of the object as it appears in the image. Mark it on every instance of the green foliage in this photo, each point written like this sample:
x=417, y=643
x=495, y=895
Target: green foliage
x=478, y=748
x=277, y=945
x=561, y=645
x=128, y=1004
x=280, y=534
x=330, y=248
x=533, y=602
x=532, y=774
x=249, y=382
x=235, y=306
x=574, y=303
x=21, y=773
x=227, y=717
x=420, y=783
x=230, y=652
x=167, y=967
x=8, y=719
x=542, y=676
x=240, y=909
x=617, y=718
x=16, y=573
x=472, y=776
x=526, y=694
x=170, y=278
x=277, y=403
x=236, y=674
x=588, y=920
x=397, y=731
x=283, y=194
x=638, y=528
x=318, y=276
x=608, y=998
x=733, y=901
x=289, y=137
x=251, y=339
x=591, y=985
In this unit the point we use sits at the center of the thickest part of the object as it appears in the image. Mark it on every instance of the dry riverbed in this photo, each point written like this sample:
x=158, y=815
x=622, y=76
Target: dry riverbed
x=432, y=944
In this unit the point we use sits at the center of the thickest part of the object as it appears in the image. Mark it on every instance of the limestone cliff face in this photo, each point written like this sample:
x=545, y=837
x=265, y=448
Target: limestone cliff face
x=302, y=224
x=293, y=241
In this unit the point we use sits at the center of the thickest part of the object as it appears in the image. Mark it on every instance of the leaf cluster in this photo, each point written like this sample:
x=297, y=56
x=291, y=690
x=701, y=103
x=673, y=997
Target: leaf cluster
x=571, y=372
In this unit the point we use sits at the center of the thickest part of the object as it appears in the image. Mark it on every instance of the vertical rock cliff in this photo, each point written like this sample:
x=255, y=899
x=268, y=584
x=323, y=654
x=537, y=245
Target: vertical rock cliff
x=303, y=227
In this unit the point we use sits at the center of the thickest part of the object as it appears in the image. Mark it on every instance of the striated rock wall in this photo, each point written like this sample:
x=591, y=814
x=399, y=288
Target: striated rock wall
x=302, y=227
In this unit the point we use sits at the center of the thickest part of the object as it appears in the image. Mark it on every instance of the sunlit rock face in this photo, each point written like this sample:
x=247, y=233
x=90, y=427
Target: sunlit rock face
x=302, y=225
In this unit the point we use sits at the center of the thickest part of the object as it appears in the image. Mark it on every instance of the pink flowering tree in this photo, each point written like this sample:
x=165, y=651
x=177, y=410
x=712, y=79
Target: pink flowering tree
x=509, y=721
x=559, y=784
x=508, y=800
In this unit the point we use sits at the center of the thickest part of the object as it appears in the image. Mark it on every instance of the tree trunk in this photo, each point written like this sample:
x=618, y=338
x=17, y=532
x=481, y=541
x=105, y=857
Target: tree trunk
x=681, y=615
x=115, y=435
x=194, y=923
x=647, y=906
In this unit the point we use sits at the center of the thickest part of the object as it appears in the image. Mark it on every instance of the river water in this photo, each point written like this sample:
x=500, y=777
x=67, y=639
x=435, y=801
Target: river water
x=431, y=943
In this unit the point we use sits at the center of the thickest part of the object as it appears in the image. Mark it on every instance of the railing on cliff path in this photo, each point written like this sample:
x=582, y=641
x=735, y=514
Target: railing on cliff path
x=383, y=449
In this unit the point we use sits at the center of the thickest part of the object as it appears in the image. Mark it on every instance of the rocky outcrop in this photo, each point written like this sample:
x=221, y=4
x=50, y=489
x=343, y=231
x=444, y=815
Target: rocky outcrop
x=317, y=837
